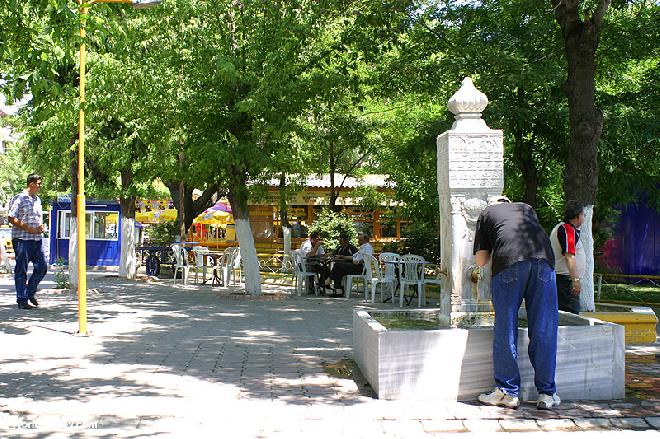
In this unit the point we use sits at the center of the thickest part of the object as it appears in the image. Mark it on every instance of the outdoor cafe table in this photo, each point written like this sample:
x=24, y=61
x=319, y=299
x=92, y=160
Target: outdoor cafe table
x=215, y=255
x=326, y=262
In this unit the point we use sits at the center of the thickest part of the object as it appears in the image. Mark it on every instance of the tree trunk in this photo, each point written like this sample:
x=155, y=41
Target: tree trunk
x=523, y=155
x=284, y=221
x=525, y=161
x=191, y=208
x=333, y=166
x=585, y=120
x=181, y=210
x=128, y=259
x=238, y=197
x=73, y=235
x=73, y=252
x=587, y=283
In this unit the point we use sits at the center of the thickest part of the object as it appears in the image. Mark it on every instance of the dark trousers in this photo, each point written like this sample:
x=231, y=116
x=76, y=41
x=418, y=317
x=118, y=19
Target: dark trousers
x=322, y=271
x=27, y=251
x=567, y=300
x=342, y=269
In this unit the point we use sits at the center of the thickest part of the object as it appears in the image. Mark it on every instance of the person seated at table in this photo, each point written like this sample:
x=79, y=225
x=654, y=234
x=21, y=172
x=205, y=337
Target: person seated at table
x=346, y=250
x=352, y=266
x=310, y=248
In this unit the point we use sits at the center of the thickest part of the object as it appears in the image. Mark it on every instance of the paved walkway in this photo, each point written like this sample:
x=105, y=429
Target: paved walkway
x=175, y=362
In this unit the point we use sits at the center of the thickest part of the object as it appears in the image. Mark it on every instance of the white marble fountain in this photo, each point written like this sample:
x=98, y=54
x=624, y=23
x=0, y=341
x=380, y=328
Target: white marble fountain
x=454, y=362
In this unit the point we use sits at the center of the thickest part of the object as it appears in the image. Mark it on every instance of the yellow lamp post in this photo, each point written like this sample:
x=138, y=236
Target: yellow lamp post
x=80, y=198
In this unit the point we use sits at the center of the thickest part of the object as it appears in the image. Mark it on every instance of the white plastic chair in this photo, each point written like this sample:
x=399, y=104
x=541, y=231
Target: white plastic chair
x=378, y=278
x=181, y=263
x=433, y=279
x=365, y=277
x=411, y=268
x=4, y=257
x=390, y=262
x=219, y=267
x=231, y=261
x=300, y=274
x=200, y=262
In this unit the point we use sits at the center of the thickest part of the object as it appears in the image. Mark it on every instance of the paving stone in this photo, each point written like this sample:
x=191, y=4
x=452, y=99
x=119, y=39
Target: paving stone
x=589, y=424
x=444, y=426
x=482, y=425
x=654, y=421
x=205, y=373
x=519, y=425
x=630, y=423
x=557, y=425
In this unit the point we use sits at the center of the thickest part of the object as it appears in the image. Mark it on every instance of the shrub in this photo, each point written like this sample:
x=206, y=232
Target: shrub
x=419, y=239
x=330, y=225
x=164, y=233
x=61, y=277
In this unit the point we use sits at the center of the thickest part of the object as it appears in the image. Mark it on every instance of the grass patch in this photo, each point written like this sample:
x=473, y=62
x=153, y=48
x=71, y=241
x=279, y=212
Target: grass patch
x=344, y=368
x=631, y=293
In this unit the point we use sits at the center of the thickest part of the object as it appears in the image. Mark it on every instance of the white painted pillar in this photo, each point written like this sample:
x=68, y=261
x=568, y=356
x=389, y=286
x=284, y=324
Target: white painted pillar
x=286, y=234
x=128, y=260
x=249, y=256
x=73, y=253
x=587, y=280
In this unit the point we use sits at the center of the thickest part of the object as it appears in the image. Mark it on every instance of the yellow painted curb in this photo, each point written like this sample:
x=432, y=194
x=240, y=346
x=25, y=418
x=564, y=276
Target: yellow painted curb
x=639, y=326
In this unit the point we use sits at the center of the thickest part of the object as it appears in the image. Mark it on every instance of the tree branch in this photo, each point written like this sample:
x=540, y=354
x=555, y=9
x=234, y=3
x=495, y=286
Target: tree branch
x=599, y=14
x=348, y=173
x=567, y=14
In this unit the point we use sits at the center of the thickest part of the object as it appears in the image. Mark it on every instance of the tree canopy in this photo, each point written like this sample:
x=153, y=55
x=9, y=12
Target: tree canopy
x=225, y=93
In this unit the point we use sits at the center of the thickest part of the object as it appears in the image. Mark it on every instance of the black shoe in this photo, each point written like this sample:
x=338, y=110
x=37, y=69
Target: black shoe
x=25, y=305
x=33, y=300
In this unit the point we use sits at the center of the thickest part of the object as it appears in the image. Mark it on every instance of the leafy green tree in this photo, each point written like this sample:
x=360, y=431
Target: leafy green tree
x=235, y=76
x=13, y=172
x=330, y=225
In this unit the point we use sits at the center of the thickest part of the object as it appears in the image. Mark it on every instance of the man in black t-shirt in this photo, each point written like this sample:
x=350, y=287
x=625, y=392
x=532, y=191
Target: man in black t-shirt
x=345, y=248
x=343, y=263
x=510, y=235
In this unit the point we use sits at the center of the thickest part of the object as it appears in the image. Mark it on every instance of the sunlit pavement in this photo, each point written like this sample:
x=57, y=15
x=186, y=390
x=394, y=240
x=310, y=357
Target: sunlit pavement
x=180, y=361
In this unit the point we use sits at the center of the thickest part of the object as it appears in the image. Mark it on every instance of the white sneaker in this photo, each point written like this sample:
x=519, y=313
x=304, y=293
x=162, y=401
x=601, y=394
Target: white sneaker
x=499, y=398
x=545, y=402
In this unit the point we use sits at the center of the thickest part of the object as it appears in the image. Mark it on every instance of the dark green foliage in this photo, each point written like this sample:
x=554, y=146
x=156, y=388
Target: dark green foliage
x=419, y=238
x=164, y=233
x=330, y=224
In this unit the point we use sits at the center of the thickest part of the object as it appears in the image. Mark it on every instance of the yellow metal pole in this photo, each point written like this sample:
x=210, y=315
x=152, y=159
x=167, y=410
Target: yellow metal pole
x=80, y=198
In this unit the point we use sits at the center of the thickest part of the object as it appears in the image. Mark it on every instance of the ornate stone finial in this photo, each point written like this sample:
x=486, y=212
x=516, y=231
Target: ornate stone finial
x=467, y=104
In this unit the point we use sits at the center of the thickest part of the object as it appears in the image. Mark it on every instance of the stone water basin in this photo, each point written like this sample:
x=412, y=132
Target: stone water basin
x=429, y=360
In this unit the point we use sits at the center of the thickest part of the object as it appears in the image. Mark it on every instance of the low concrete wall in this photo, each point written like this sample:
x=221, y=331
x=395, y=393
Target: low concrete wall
x=456, y=364
x=639, y=321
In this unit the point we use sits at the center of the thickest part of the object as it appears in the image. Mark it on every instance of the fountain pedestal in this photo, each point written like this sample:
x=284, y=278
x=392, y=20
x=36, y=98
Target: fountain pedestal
x=470, y=170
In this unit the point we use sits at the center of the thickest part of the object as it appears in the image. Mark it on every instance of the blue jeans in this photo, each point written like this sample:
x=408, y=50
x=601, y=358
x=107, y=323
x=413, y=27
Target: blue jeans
x=27, y=251
x=533, y=281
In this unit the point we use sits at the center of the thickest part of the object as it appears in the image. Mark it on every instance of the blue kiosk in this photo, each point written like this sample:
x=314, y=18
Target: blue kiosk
x=103, y=226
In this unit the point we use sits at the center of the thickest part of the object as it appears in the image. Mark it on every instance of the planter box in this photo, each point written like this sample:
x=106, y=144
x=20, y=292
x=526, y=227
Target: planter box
x=456, y=364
